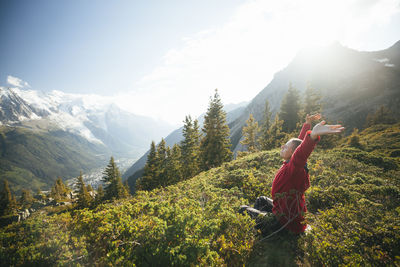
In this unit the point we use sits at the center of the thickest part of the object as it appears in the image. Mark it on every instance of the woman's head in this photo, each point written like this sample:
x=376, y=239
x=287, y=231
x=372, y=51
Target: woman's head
x=288, y=148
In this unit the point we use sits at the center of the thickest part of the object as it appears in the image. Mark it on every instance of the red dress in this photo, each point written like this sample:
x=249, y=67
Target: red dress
x=290, y=183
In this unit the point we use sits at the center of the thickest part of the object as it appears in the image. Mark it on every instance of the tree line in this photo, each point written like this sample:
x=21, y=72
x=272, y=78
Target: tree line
x=201, y=151
x=195, y=153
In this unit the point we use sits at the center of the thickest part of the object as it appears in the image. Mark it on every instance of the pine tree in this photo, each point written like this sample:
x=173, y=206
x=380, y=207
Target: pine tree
x=113, y=181
x=84, y=198
x=160, y=165
x=99, y=195
x=8, y=204
x=127, y=188
x=215, y=145
x=266, y=125
x=89, y=188
x=290, y=110
x=26, y=199
x=59, y=191
x=147, y=181
x=250, y=133
x=312, y=101
x=173, y=171
x=275, y=134
x=190, y=148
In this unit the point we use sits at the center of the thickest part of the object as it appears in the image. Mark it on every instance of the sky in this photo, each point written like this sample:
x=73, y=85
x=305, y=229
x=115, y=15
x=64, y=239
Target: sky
x=164, y=59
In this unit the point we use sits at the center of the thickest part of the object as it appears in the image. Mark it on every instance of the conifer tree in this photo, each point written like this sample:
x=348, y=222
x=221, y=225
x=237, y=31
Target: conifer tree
x=89, y=188
x=113, y=181
x=99, y=195
x=215, y=145
x=312, y=101
x=127, y=188
x=173, y=171
x=290, y=110
x=190, y=148
x=59, y=191
x=275, y=134
x=161, y=162
x=8, y=204
x=266, y=125
x=26, y=199
x=84, y=198
x=250, y=133
x=147, y=181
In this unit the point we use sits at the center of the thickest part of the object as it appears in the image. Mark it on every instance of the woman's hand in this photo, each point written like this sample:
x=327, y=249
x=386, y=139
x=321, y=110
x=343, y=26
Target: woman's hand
x=323, y=129
x=311, y=118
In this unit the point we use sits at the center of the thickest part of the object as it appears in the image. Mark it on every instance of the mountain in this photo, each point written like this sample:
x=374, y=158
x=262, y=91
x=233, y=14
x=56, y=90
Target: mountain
x=88, y=128
x=352, y=84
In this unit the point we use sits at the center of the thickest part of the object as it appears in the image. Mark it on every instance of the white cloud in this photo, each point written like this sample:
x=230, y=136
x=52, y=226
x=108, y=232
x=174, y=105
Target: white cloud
x=17, y=82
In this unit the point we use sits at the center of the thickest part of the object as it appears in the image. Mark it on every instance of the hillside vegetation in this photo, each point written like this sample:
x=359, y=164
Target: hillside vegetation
x=353, y=202
x=34, y=159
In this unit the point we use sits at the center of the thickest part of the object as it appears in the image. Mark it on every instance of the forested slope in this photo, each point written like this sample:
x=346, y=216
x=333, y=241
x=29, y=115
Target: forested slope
x=353, y=202
x=34, y=159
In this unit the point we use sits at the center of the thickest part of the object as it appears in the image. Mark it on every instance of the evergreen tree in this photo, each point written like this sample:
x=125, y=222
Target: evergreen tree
x=89, y=188
x=173, y=171
x=215, y=145
x=99, y=195
x=113, y=181
x=127, y=188
x=84, y=198
x=250, y=133
x=275, y=134
x=59, y=191
x=26, y=199
x=147, y=181
x=190, y=148
x=263, y=140
x=8, y=204
x=290, y=110
x=161, y=164
x=312, y=101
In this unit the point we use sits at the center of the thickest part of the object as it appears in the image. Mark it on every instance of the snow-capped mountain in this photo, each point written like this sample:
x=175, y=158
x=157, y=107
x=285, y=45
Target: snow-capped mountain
x=90, y=116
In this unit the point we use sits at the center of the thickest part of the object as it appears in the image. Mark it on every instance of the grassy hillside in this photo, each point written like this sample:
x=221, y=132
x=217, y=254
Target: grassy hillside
x=33, y=159
x=354, y=208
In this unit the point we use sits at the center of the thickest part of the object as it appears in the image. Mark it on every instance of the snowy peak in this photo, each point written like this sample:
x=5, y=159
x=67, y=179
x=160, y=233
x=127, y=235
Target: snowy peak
x=94, y=117
x=15, y=109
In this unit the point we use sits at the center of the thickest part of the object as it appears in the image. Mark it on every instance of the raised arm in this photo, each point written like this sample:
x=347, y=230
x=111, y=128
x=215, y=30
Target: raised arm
x=303, y=151
x=307, y=124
